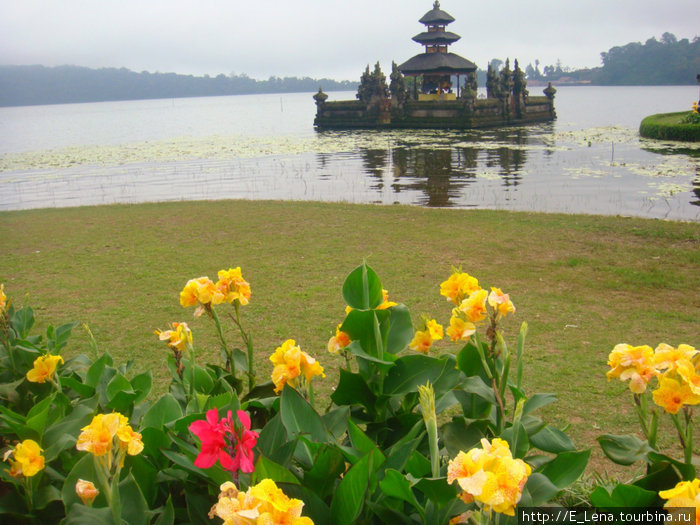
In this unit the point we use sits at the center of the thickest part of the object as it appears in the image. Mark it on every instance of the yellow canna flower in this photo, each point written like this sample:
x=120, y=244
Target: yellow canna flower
x=435, y=329
x=3, y=297
x=44, y=368
x=110, y=434
x=291, y=363
x=339, y=341
x=690, y=374
x=667, y=357
x=459, y=286
x=387, y=303
x=474, y=306
x=490, y=476
x=200, y=291
x=500, y=302
x=459, y=329
x=87, y=491
x=178, y=338
x=672, y=395
x=422, y=341
x=685, y=494
x=27, y=459
x=233, y=287
x=635, y=363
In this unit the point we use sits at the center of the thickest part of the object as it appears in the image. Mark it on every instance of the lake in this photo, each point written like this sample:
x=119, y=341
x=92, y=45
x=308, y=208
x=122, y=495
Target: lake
x=590, y=160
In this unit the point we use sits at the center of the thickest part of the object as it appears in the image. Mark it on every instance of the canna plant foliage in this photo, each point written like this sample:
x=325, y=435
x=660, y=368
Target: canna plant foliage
x=409, y=435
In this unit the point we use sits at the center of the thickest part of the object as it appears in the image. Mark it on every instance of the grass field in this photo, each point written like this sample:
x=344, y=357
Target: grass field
x=583, y=283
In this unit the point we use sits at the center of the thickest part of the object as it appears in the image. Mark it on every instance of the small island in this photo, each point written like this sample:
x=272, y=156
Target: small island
x=681, y=126
x=421, y=93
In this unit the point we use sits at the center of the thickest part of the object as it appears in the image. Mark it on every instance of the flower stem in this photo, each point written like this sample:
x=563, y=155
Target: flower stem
x=230, y=363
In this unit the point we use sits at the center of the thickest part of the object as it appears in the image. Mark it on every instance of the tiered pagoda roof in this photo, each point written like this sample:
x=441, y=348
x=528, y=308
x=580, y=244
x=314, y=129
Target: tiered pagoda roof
x=436, y=59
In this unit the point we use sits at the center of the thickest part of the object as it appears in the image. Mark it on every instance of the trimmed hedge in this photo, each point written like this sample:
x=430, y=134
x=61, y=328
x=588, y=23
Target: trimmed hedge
x=669, y=126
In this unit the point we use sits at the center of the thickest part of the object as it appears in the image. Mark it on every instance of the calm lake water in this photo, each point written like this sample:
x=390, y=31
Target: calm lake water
x=590, y=160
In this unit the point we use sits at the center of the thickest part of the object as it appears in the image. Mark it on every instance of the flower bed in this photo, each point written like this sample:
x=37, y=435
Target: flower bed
x=84, y=441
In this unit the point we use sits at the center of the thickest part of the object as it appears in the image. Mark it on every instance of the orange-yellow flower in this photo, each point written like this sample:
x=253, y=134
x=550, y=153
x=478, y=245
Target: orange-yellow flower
x=500, y=302
x=87, y=491
x=490, y=476
x=435, y=329
x=27, y=459
x=666, y=357
x=459, y=329
x=685, y=494
x=264, y=503
x=635, y=363
x=474, y=306
x=387, y=303
x=179, y=337
x=200, y=291
x=339, y=341
x=44, y=368
x=3, y=297
x=233, y=287
x=110, y=434
x=690, y=373
x=672, y=395
x=291, y=363
x=421, y=342
x=459, y=286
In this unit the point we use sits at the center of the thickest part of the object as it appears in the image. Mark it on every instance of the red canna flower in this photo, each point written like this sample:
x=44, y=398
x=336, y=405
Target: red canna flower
x=227, y=440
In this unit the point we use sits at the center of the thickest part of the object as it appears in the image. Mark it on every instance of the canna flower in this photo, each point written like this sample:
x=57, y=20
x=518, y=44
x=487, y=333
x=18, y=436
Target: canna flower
x=500, y=302
x=459, y=329
x=228, y=441
x=3, y=297
x=110, y=435
x=44, y=368
x=635, y=363
x=435, y=329
x=291, y=363
x=422, y=341
x=667, y=357
x=87, y=491
x=490, y=476
x=387, y=303
x=459, y=286
x=672, y=395
x=233, y=287
x=690, y=374
x=474, y=306
x=202, y=292
x=264, y=503
x=686, y=495
x=178, y=338
x=27, y=459
x=339, y=341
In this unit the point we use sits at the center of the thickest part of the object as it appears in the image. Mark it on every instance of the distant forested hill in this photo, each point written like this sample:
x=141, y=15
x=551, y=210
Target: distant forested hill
x=30, y=85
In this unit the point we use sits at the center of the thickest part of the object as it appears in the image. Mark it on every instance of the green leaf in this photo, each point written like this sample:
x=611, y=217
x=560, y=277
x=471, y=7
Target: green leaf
x=78, y=387
x=266, y=468
x=623, y=496
x=299, y=417
x=359, y=439
x=551, y=439
x=162, y=412
x=461, y=435
x=134, y=507
x=566, y=468
x=476, y=385
x=59, y=337
x=39, y=414
x=95, y=371
x=395, y=485
x=328, y=466
x=412, y=371
x=349, y=497
x=537, y=401
x=336, y=421
x=624, y=450
x=352, y=389
x=167, y=516
x=469, y=362
x=400, y=329
x=538, y=491
x=362, y=288
x=141, y=383
x=517, y=439
x=438, y=490
x=22, y=321
x=79, y=514
x=83, y=469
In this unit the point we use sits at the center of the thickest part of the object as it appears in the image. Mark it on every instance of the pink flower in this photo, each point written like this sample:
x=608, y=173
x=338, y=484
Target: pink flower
x=227, y=440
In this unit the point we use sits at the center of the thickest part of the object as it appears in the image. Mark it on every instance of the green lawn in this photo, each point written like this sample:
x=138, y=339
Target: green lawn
x=583, y=283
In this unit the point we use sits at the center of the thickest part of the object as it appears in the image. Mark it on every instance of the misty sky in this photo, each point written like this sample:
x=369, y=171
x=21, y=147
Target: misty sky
x=317, y=38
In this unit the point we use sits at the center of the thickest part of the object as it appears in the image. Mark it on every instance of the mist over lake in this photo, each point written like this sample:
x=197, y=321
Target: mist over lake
x=590, y=160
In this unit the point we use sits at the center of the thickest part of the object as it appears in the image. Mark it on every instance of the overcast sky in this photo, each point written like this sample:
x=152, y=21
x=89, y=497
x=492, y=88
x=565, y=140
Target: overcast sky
x=317, y=38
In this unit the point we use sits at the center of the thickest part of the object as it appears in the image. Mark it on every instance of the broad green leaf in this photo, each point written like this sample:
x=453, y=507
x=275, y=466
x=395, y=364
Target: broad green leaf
x=167, y=516
x=134, y=507
x=469, y=363
x=328, y=466
x=336, y=421
x=476, y=385
x=141, y=383
x=362, y=289
x=623, y=496
x=473, y=406
x=266, y=468
x=400, y=329
x=352, y=389
x=162, y=412
x=517, y=439
x=80, y=388
x=438, y=490
x=349, y=497
x=359, y=439
x=624, y=450
x=395, y=485
x=461, y=435
x=537, y=401
x=22, y=321
x=45, y=496
x=95, y=371
x=566, y=468
x=83, y=469
x=538, y=491
x=69, y=425
x=299, y=417
x=412, y=371
x=79, y=514
x=551, y=439
x=39, y=414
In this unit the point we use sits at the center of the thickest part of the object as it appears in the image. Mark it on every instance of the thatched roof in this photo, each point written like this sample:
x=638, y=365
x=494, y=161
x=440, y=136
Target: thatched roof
x=436, y=37
x=447, y=63
x=436, y=16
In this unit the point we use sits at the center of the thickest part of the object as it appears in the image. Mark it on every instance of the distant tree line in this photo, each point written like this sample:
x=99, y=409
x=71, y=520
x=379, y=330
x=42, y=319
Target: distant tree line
x=666, y=62
x=30, y=85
